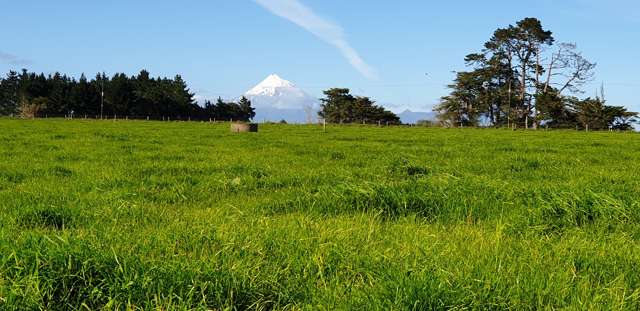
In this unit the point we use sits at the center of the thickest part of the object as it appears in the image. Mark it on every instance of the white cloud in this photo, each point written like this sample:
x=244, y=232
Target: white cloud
x=332, y=33
x=12, y=59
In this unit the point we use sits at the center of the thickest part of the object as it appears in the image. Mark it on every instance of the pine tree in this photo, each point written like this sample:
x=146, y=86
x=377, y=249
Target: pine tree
x=247, y=112
x=9, y=94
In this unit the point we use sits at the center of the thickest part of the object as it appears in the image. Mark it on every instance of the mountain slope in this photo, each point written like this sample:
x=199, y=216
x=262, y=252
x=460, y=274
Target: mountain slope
x=412, y=117
x=277, y=99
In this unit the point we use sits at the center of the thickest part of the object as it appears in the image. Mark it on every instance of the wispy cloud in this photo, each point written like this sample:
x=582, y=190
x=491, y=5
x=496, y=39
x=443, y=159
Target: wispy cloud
x=12, y=59
x=332, y=33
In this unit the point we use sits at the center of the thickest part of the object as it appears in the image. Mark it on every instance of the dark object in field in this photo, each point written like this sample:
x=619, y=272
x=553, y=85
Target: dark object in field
x=244, y=127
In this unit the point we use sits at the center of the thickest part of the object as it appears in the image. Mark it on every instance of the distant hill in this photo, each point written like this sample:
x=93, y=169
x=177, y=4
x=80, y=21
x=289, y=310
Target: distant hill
x=412, y=117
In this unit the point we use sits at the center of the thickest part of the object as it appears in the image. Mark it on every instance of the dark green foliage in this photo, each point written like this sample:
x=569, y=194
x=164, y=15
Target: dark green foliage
x=230, y=111
x=500, y=84
x=9, y=94
x=516, y=81
x=60, y=95
x=593, y=114
x=555, y=110
x=340, y=106
x=247, y=113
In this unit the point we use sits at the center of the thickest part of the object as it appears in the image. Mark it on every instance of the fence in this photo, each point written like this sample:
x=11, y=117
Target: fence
x=130, y=117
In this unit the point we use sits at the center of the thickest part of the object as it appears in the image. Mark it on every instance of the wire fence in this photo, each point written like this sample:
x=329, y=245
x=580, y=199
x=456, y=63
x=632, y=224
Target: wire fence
x=131, y=117
x=431, y=124
x=116, y=117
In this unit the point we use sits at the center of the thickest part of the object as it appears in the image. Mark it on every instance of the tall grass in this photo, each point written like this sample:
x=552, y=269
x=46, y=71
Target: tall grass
x=153, y=215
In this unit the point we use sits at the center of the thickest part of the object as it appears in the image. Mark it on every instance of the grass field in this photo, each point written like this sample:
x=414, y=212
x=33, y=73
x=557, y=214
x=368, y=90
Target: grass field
x=153, y=215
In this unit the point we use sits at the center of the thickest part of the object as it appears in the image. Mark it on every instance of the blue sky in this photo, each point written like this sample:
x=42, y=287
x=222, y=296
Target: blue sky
x=224, y=47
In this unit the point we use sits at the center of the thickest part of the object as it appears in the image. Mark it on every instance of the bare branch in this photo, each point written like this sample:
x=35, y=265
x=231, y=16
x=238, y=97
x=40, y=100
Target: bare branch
x=576, y=70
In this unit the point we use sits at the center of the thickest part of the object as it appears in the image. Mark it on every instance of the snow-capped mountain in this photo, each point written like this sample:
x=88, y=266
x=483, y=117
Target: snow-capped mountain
x=277, y=99
x=273, y=85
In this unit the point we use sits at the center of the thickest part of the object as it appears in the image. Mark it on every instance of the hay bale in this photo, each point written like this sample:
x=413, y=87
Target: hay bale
x=244, y=127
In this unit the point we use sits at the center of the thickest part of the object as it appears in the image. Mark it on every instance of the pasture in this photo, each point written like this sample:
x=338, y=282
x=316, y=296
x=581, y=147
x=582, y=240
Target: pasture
x=186, y=215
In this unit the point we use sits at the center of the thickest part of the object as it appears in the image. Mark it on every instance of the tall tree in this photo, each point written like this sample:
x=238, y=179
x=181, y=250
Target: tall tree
x=337, y=106
x=9, y=94
x=83, y=98
x=460, y=108
x=526, y=40
x=518, y=77
x=247, y=112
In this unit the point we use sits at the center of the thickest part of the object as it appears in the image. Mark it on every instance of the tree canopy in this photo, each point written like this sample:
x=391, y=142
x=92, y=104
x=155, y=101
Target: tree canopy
x=339, y=106
x=140, y=95
x=221, y=110
x=523, y=78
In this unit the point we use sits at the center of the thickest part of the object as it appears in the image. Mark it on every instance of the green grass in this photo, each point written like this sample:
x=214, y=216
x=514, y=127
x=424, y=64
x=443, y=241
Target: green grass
x=153, y=215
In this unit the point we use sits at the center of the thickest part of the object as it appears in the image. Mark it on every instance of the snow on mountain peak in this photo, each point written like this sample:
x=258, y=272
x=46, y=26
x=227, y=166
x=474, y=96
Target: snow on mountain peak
x=277, y=99
x=270, y=86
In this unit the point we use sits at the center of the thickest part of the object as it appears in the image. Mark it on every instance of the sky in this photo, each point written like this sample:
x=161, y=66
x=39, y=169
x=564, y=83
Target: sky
x=400, y=53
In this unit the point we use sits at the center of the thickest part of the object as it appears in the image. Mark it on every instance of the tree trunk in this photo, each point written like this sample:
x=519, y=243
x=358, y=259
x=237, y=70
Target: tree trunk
x=535, y=112
x=554, y=58
x=523, y=92
x=510, y=82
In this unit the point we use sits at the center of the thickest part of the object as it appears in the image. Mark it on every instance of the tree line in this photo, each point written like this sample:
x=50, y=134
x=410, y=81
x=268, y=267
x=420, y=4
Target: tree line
x=339, y=106
x=30, y=94
x=522, y=78
x=221, y=110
